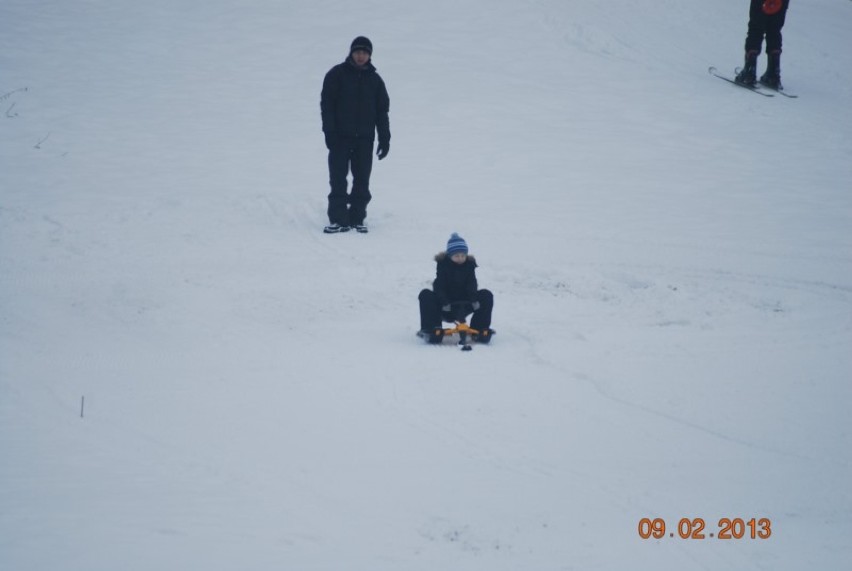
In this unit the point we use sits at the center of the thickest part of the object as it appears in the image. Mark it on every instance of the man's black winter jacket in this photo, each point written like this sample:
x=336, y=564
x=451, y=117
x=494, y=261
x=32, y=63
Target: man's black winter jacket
x=355, y=103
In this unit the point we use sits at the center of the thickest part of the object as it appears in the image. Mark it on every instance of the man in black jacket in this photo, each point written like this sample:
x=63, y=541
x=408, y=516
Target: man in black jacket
x=354, y=106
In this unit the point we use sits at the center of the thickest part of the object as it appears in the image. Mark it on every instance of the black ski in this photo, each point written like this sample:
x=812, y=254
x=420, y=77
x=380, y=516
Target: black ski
x=779, y=91
x=713, y=71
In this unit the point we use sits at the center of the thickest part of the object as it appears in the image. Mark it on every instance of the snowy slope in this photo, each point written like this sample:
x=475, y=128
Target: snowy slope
x=670, y=258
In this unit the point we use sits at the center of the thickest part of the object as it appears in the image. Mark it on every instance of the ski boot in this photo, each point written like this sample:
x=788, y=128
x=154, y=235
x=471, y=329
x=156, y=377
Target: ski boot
x=748, y=74
x=772, y=77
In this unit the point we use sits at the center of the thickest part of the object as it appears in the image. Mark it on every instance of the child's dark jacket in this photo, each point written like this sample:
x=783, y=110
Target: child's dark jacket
x=455, y=282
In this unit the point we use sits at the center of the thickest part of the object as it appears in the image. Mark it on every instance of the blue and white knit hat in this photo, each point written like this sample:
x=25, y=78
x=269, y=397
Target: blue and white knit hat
x=456, y=244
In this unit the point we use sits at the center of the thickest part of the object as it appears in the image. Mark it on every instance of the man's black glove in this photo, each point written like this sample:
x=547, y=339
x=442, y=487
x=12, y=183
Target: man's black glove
x=383, y=149
x=330, y=140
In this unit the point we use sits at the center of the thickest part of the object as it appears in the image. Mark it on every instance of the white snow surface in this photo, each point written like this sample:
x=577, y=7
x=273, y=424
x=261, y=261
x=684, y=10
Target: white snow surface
x=671, y=259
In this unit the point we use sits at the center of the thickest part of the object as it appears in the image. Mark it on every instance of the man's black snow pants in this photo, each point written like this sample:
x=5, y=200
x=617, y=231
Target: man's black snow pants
x=349, y=209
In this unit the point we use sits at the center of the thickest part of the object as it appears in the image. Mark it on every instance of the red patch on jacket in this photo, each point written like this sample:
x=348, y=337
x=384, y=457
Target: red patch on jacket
x=772, y=6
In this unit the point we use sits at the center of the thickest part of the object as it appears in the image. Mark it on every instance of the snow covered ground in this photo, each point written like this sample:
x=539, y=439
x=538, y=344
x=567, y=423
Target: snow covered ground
x=671, y=258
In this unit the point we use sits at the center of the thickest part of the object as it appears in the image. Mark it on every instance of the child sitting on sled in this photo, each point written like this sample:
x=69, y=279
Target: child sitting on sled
x=455, y=294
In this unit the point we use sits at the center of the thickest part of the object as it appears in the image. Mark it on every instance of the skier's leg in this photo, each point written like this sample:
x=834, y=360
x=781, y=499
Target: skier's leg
x=774, y=23
x=753, y=43
x=756, y=27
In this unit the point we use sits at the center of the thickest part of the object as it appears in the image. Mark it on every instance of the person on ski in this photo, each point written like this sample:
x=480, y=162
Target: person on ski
x=766, y=18
x=455, y=294
x=354, y=105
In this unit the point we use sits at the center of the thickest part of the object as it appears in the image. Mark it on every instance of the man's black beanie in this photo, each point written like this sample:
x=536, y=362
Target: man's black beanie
x=361, y=43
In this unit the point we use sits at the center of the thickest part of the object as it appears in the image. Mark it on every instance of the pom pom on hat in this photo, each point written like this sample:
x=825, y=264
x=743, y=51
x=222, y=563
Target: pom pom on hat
x=456, y=244
x=361, y=43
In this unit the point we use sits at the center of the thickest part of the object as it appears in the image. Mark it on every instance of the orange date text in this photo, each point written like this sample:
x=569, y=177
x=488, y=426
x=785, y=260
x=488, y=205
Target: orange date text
x=696, y=528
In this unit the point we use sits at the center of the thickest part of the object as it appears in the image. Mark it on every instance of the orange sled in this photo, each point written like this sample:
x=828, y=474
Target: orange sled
x=463, y=330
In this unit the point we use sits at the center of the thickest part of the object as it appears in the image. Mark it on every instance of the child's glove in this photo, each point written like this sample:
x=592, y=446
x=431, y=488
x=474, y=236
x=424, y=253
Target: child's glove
x=475, y=305
x=446, y=307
